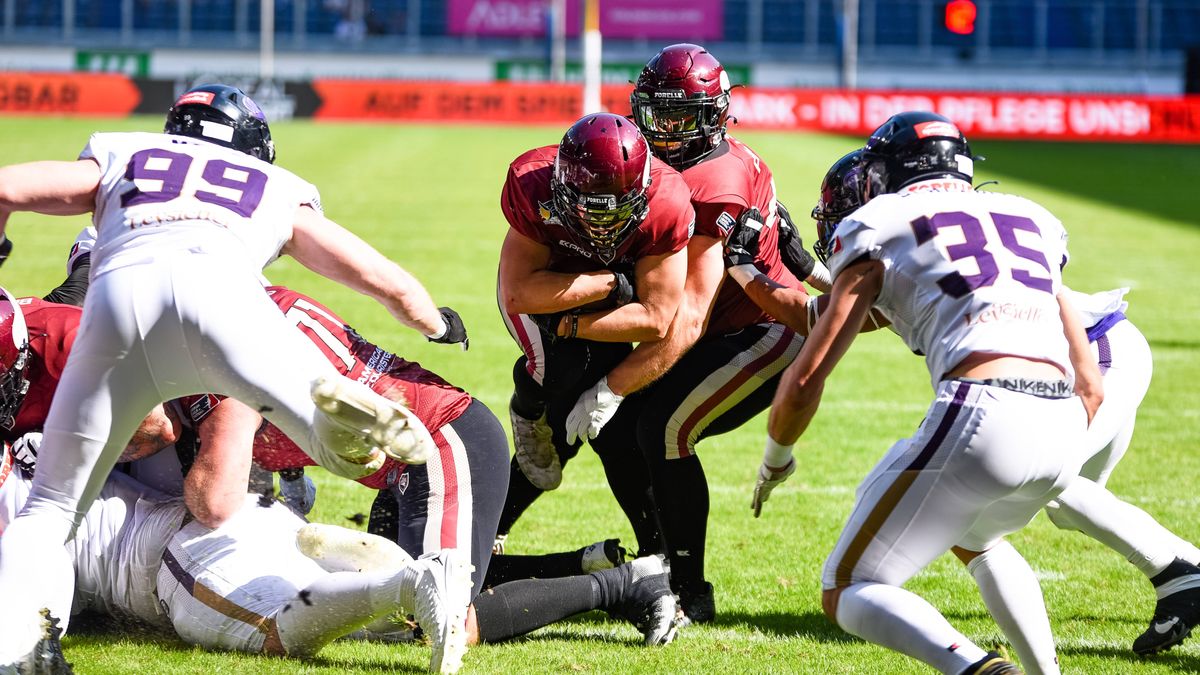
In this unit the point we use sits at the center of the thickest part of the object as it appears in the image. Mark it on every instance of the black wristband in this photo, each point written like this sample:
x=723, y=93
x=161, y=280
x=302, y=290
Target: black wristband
x=574, y=326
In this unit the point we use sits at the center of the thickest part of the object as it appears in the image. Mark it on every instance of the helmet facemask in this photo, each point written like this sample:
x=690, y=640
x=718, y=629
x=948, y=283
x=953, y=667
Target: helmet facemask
x=13, y=385
x=603, y=221
x=681, y=132
x=842, y=193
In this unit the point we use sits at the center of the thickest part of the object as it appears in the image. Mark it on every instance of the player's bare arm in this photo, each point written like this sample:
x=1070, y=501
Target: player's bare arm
x=650, y=360
x=1089, y=384
x=799, y=393
x=334, y=252
x=528, y=287
x=659, y=283
x=215, y=487
x=50, y=187
x=159, y=430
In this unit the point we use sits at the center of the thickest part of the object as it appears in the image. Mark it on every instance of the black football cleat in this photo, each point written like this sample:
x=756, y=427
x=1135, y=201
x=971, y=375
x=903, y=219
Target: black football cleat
x=47, y=656
x=1177, y=611
x=697, y=604
x=647, y=601
x=993, y=664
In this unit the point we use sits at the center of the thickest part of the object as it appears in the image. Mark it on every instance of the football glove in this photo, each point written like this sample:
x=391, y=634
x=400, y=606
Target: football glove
x=791, y=248
x=592, y=411
x=548, y=324
x=768, y=480
x=25, y=451
x=456, y=331
x=5, y=248
x=741, y=246
x=622, y=292
x=297, y=491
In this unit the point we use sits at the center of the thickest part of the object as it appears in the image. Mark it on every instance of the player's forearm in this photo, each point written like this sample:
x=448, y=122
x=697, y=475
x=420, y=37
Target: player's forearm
x=651, y=360
x=546, y=292
x=1089, y=383
x=156, y=432
x=50, y=187
x=788, y=305
x=635, y=322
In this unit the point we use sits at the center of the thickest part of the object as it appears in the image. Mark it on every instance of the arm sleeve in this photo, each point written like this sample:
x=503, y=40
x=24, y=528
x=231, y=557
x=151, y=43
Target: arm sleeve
x=72, y=290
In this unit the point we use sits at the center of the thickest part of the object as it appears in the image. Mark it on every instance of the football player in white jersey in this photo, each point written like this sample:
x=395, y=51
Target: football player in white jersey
x=1124, y=358
x=247, y=585
x=185, y=221
x=971, y=281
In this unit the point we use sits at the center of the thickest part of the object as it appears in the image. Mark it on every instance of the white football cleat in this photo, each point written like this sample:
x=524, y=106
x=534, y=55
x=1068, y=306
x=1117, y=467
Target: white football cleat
x=338, y=549
x=535, y=452
x=439, y=600
x=388, y=425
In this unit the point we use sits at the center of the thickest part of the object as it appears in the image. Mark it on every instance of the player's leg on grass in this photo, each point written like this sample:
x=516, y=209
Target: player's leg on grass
x=719, y=385
x=454, y=499
x=973, y=450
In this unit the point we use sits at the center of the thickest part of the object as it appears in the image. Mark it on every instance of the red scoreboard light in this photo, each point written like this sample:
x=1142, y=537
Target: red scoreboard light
x=960, y=16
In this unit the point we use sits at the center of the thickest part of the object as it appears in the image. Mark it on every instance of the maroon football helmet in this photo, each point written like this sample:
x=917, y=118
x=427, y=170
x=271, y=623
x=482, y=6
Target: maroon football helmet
x=681, y=104
x=14, y=358
x=601, y=180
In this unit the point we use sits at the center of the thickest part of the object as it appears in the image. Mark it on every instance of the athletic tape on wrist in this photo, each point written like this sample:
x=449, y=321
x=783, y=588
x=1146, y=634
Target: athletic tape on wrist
x=744, y=274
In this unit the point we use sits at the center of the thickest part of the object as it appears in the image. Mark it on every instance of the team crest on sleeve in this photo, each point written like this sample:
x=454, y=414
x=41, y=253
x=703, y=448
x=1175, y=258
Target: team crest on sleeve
x=724, y=223
x=545, y=213
x=202, y=406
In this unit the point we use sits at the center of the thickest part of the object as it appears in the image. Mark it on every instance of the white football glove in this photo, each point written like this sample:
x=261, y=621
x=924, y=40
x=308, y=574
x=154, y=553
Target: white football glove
x=769, y=480
x=25, y=451
x=299, y=495
x=592, y=411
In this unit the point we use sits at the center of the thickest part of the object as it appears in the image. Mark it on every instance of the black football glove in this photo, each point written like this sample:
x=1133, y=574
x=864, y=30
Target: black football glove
x=25, y=451
x=741, y=246
x=5, y=248
x=456, y=332
x=622, y=293
x=548, y=324
x=791, y=248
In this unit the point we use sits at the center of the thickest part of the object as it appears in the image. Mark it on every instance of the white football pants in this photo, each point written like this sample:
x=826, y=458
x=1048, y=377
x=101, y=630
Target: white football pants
x=187, y=322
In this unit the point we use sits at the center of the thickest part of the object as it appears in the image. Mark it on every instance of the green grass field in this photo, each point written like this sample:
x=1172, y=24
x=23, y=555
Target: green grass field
x=427, y=196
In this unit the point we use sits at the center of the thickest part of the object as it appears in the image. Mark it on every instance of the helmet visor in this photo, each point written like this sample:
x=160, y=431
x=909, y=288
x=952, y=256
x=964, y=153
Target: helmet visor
x=674, y=119
x=601, y=217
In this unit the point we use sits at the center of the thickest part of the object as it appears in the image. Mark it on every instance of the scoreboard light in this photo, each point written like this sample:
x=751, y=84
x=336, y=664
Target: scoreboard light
x=960, y=16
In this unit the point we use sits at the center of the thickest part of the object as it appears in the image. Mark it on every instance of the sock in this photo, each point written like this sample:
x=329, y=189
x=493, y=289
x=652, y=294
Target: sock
x=1184, y=549
x=1126, y=529
x=904, y=622
x=519, y=607
x=506, y=568
x=1179, y=575
x=681, y=491
x=629, y=480
x=521, y=495
x=1013, y=597
x=338, y=603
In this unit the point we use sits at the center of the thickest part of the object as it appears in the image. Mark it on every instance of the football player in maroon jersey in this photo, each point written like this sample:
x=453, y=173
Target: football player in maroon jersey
x=591, y=219
x=723, y=355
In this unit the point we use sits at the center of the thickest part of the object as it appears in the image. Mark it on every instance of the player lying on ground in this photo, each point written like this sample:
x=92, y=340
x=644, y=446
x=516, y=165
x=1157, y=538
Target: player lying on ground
x=1123, y=357
x=465, y=492
x=996, y=444
x=245, y=585
x=185, y=220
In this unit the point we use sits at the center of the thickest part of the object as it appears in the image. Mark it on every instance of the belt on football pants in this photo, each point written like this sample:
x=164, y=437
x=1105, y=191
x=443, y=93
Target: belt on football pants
x=1025, y=385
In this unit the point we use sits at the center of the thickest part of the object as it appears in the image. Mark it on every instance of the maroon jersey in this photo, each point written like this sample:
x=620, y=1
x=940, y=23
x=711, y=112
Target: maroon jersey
x=723, y=185
x=433, y=400
x=525, y=201
x=52, y=329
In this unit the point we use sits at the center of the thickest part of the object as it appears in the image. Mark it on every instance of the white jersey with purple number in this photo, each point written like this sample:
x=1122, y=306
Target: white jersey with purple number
x=161, y=192
x=965, y=272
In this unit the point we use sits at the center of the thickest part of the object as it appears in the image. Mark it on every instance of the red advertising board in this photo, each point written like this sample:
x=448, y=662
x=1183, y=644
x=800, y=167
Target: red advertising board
x=1126, y=118
x=67, y=94
x=624, y=19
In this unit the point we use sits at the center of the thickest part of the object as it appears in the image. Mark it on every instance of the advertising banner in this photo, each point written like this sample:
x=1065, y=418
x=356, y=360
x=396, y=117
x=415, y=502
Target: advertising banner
x=1127, y=118
x=67, y=93
x=621, y=19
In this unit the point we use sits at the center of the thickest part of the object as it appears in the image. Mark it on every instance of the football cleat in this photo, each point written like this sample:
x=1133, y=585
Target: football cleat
x=47, y=656
x=697, y=604
x=438, y=599
x=993, y=664
x=602, y=555
x=387, y=425
x=1177, y=611
x=533, y=446
x=647, y=601
x=337, y=549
